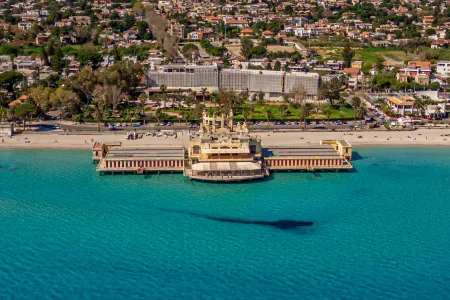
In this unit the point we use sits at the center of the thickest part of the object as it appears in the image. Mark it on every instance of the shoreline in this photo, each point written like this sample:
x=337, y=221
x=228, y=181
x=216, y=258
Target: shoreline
x=418, y=138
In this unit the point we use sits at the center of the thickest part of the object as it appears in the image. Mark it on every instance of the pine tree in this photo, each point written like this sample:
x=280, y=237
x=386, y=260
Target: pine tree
x=45, y=56
x=347, y=55
x=57, y=61
x=116, y=54
x=51, y=48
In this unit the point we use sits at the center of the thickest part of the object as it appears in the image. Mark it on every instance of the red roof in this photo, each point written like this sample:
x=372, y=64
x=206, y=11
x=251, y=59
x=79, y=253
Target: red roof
x=352, y=71
x=18, y=101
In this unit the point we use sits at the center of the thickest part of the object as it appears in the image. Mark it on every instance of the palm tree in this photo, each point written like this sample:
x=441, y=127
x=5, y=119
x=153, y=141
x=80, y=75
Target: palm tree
x=261, y=96
x=194, y=94
x=355, y=102
x=204, y=95
x=185, y=115
x=283, y=109
x=87, y=111
x=419, y=105
x=215, y=98
x=163, y=89
x=268, y=115
x=232, y=101
x=158, y=115
x=327, y=113
x=97, y=114
x=3, y=113
x=142, y=99
x=303, y=113
x=245, y=113
x=251, y=108
x=438, y=111
x=361, y=112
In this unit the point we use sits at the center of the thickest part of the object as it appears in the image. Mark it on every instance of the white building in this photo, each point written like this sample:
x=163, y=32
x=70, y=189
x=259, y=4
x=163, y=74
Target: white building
x=443, y=67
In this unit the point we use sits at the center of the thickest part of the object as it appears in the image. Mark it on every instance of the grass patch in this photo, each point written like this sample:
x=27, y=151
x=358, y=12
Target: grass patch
x=31, y=49
x=338, y=112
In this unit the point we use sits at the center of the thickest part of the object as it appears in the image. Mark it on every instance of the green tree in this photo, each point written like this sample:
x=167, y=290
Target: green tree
x=355, y=102
x=143, y=100
x=303, y=112
x=277, y=66
x=23, y=111
x=275, y=26
x=3, y=113
x=9, y=79
x=98, y=114
x=327, y=112
x=83, y=83
x=41, y=97
x=329, y=91
x=89, y=58
x=361, y=111
x=258, y=51
x=116, y=54
x=283, y=109
x=158, y=114
x=65, y=101
x=430, y=31
x=51, y=48
x=142, y=27
x=204, y=90
x=44, y=56
x=347, y=55
x=57, y=61
x=379, y=64
x=419, y=105
x=268, y=114
x=246, y=46
x=9, y=49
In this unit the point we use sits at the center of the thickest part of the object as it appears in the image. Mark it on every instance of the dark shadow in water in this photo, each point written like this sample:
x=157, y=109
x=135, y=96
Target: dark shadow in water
x=356, y=156
x=7, y=168
x=317, y=174
x=280, y=224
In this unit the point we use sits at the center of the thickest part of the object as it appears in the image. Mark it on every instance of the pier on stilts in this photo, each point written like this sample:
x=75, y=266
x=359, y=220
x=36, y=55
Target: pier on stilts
x=223, y=153
x=142, y=159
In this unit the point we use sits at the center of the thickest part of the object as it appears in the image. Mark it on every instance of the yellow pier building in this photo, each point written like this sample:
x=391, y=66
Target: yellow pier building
x=223, y=152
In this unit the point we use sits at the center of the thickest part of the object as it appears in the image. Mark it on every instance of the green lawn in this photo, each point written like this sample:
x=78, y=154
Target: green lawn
x=31, y=49
x=369, y=55
x=338, y=112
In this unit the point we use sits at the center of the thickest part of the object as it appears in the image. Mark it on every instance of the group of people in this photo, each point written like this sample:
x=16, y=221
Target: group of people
x=133, y=135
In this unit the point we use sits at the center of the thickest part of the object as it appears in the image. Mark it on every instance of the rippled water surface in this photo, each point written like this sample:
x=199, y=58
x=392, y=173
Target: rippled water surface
x=382, y=232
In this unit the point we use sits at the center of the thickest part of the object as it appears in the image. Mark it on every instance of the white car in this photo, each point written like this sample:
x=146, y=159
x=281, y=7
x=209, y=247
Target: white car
x=118, y=125
x=124, y=124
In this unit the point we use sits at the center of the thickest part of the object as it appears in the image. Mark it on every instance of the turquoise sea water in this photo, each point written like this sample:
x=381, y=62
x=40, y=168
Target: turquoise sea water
x=382, y=232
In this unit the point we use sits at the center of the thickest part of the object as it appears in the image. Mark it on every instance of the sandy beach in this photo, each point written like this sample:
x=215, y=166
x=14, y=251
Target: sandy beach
x=421, y=137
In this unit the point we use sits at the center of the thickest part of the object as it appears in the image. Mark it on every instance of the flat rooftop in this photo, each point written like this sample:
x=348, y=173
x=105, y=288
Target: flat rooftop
x=145, y=153
x=297, y=151
x=344, y=143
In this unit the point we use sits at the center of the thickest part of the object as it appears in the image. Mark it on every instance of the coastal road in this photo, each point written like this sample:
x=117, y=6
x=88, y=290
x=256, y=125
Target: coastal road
x=421, y=137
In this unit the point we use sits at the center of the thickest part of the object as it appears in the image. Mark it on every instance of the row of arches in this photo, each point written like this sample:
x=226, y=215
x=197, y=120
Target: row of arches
x=299, y=163
x=124, y=164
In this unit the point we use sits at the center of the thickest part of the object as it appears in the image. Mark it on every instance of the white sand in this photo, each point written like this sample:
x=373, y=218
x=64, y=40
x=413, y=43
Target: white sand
x=421, y=137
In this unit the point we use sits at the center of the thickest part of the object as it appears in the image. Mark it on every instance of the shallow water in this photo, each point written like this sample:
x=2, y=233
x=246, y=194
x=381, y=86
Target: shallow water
x=380, y=232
